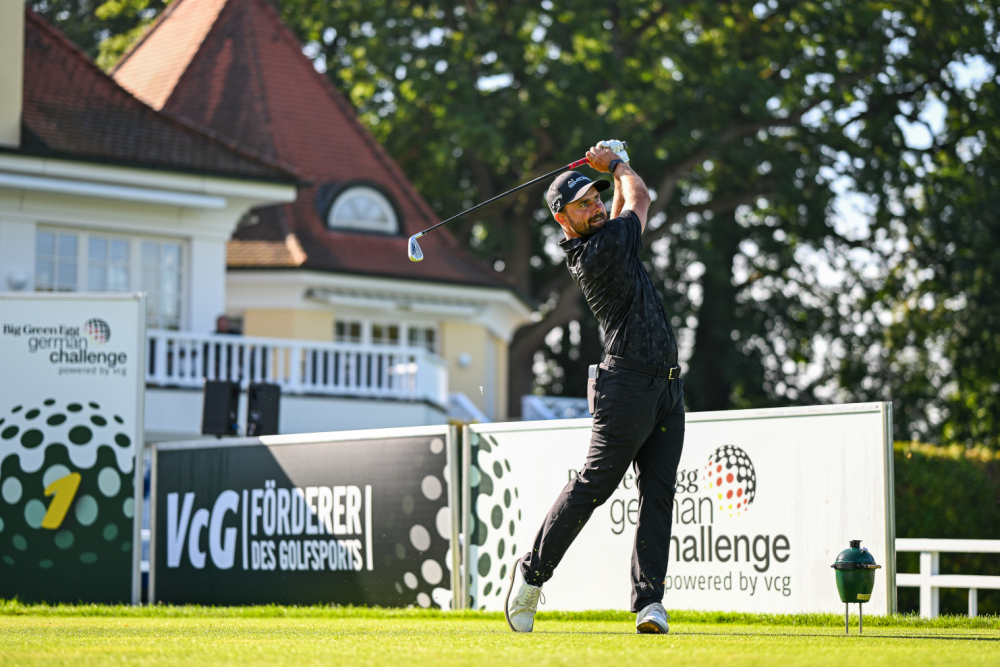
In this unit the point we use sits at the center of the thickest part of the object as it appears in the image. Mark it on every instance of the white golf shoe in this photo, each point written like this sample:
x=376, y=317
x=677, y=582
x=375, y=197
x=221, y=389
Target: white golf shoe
x=522, y=601
x=652, y=620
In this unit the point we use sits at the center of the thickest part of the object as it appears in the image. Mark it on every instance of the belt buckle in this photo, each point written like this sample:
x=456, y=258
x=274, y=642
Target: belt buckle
x=670, y=376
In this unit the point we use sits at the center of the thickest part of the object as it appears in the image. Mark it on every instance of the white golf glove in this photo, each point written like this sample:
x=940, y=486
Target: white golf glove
x=617, y=147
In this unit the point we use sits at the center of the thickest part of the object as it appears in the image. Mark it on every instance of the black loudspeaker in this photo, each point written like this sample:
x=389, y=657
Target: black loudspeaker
x=263, y=405
x=220, y=407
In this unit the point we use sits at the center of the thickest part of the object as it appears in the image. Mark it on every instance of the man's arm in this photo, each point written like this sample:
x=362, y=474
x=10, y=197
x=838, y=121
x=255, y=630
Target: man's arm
x=630, y=192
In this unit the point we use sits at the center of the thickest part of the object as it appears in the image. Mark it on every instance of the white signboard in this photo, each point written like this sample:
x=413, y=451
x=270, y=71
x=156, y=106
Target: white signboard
x=71, y=424
x=765, y=501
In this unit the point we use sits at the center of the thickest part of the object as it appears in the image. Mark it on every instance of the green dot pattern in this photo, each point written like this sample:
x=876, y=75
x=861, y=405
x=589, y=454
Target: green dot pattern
x=80, y=435
x=496, y=503
x=32, y=438
x=64, y=539
x=484, y=565
x=95, y=533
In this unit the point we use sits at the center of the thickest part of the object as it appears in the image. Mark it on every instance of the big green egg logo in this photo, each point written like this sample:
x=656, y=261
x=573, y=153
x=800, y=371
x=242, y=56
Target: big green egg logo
x=66, y=491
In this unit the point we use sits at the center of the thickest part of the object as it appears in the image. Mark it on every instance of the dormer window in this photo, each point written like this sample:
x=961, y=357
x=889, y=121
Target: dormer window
x=364, y=209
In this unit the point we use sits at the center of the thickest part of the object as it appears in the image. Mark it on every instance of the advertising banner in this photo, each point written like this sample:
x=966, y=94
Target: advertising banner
x=355, y=517
x=71, y=424
x=765, y=500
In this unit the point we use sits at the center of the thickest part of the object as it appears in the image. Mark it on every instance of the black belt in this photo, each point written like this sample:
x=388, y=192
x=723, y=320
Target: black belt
x=669, y=372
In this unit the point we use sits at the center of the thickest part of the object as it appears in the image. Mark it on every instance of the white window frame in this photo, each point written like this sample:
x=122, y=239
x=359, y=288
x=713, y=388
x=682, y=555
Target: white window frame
x=390, y=226
x=368, y=324
x=83, y=236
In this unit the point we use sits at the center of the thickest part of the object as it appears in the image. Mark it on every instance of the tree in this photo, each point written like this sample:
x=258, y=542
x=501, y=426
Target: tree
x=104, y=30
x=937, y=349
x=746, y=119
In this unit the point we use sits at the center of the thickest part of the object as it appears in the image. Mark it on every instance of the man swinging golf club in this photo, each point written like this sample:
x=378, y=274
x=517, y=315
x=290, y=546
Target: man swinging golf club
x=635, y=395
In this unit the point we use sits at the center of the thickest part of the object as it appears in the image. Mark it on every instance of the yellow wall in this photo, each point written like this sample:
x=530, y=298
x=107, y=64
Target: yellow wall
x=501, y=378
x=11, y=71
x=300, y=324
x=487, y=370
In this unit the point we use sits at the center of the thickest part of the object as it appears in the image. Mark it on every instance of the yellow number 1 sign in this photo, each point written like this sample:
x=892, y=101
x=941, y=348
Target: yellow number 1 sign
x=64, y=489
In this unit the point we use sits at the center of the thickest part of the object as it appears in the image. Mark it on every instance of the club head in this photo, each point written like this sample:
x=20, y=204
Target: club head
x=413, y=250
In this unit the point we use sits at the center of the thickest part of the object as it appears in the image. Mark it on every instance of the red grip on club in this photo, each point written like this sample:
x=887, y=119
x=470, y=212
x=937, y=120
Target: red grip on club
x=578, y=163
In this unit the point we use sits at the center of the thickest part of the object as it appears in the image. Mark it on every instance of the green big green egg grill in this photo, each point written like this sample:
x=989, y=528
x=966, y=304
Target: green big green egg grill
x=855, y=568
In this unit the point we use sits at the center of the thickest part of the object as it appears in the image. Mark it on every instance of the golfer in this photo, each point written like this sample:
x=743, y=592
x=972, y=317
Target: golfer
x=636, y=397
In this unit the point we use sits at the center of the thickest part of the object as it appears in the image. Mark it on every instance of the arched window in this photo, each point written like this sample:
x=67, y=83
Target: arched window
x=362, y=208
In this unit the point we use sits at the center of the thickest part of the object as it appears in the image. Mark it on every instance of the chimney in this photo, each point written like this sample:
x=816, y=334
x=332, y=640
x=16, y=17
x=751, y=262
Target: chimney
x=11, y=71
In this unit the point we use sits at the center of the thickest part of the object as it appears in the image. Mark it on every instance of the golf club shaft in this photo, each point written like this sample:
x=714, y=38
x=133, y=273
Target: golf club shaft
x=574, y=165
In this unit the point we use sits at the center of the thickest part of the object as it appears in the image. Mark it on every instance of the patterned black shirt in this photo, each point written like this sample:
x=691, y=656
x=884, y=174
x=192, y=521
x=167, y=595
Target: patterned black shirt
x=607, y=268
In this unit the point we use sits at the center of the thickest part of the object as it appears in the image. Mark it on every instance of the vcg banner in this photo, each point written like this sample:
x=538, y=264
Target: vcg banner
x=765, y=500
x=356, y=517
x=71, y=424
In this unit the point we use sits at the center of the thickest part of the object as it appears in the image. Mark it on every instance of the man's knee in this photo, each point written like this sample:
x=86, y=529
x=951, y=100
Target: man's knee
x=593, y=487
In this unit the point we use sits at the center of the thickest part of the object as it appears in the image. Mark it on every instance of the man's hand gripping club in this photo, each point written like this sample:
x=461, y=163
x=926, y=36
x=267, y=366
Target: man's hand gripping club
x=630, y=192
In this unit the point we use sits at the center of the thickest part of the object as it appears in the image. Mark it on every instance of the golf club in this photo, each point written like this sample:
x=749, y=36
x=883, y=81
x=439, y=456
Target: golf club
x=413, y=249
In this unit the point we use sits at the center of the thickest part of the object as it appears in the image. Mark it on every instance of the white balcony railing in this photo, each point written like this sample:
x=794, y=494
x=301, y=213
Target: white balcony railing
x=182, y=359
x=930, y=581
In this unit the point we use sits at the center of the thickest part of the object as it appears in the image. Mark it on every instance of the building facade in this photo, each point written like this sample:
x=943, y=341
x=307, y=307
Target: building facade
x=332, y=265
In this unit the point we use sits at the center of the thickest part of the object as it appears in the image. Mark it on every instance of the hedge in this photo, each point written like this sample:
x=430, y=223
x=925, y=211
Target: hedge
x=948, y=492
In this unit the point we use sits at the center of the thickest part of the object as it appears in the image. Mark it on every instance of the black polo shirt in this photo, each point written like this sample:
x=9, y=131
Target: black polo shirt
x=618, y=290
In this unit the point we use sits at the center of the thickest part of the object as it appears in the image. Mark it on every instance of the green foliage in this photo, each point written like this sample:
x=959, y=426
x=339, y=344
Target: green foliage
x=103, y=30
x=747, y=119
x=938, y=355
x=948, y=492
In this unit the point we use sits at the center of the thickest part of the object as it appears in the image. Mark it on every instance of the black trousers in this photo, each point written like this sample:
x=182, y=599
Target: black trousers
x=638, y=421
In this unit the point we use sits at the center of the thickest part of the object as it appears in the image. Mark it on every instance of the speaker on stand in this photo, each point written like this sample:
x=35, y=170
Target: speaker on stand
x=263, y=406
x=220, y=408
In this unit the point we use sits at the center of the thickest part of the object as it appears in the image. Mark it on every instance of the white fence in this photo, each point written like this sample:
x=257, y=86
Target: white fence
x=929, y=581
x=182, y=359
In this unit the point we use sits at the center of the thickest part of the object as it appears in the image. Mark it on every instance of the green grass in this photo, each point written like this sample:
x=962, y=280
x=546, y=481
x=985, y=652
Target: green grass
x=278, y=635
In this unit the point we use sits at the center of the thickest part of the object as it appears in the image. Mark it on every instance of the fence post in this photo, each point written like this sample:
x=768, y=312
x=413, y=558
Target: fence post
x=973, y=602
x=930, y=565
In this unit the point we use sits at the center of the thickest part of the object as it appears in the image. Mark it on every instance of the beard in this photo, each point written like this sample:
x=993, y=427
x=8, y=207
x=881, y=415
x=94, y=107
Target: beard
x=595, y=222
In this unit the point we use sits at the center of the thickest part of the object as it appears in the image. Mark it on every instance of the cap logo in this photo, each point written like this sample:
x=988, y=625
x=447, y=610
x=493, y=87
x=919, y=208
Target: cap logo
x=557, y=202
x=577, y=180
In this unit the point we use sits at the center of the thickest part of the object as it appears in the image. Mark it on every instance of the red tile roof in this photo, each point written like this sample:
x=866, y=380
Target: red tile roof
x=73, y=110
x=249, y=80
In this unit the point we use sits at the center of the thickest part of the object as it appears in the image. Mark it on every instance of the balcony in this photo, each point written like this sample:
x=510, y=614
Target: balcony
x=325, y=386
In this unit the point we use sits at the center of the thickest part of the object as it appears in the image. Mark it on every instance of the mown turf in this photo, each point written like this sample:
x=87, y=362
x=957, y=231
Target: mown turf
x=276, y=636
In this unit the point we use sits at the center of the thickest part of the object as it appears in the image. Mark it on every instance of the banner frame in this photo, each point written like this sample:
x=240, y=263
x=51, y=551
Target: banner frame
x=140, y=389
x=448, y=431
x=884, y=408
x=151, y=592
